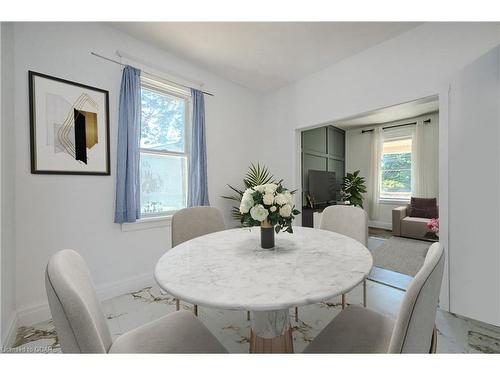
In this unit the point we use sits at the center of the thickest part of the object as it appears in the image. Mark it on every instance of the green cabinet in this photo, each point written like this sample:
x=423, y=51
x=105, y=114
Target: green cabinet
x=323, y=149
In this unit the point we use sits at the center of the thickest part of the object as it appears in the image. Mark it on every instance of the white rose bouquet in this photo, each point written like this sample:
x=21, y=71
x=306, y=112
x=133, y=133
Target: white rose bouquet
x=268, y=205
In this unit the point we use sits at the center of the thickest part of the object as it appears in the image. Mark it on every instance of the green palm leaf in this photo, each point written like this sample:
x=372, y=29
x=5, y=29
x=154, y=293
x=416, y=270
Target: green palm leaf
x=257, y=175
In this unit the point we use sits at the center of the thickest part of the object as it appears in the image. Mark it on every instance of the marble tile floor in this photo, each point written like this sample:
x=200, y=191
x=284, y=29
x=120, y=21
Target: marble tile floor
x=455, y=334
x=123, y=313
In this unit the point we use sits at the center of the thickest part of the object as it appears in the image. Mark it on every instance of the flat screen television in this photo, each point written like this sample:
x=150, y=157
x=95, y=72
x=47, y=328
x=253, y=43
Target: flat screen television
x=322, y=186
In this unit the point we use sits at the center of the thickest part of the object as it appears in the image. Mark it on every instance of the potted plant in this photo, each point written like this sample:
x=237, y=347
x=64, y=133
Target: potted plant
x=352, y=189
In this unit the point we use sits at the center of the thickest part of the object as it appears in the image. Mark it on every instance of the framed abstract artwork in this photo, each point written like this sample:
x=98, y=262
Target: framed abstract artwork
x=69, y=127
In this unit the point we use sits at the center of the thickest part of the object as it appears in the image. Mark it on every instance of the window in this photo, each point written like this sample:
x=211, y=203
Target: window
x=163, y=148
x=395, y=169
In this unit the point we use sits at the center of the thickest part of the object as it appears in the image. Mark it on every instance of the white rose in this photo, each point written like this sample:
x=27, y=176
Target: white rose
x=270, y=188
x=246, y=203
x=289, y=197
x=268, y=199
x=259, y=188
x=248, y=192
x=286, y=210
x=259, y=213
x=281, y=199
x=273, y=208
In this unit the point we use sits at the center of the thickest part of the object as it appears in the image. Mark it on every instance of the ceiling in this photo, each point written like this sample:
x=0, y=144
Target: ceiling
x=264, y=56
x=397, y=112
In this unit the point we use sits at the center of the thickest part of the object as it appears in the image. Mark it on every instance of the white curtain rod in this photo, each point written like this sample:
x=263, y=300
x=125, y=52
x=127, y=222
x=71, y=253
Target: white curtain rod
x=151, y=74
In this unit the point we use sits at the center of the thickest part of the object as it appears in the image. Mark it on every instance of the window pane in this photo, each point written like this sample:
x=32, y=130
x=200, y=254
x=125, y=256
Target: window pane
x=399, y=146
x=396, y=169
x=396, y=161
x=163, y=183
x=396, y=181
x=162, y=122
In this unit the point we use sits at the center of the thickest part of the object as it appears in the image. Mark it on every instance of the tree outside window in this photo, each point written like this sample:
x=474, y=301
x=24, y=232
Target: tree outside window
x=163, y=168
x=395, y=169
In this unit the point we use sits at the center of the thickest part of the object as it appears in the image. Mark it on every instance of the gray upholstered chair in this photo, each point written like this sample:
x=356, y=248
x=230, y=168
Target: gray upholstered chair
x=360, y=330
x=193, y=222
x=82, y=328
x=350, y=221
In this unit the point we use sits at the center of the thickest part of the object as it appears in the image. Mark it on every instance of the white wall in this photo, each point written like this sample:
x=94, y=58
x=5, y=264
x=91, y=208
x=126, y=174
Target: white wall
x=8, y=255
x=54, y=212
x=416, y=64
x=358, y=157
x=475, y=151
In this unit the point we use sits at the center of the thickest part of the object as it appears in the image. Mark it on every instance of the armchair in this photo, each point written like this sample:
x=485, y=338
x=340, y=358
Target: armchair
x=404, y=225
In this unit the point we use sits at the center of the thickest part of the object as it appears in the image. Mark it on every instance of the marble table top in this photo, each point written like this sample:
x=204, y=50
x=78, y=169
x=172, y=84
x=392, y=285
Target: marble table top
x=229, y=269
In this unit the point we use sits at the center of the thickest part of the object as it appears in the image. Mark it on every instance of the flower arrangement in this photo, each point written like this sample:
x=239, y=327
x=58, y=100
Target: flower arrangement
x=264, y=202
x=433, y=226
x=268, y=205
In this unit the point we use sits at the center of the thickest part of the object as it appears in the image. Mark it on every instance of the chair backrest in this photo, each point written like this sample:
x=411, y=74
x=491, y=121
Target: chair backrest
x=417, y=315
x=350, y=221
x=193, y=222
x=80, y=324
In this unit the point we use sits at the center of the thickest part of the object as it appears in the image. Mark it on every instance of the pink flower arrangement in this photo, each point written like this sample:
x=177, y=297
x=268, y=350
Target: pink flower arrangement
x=433, y=225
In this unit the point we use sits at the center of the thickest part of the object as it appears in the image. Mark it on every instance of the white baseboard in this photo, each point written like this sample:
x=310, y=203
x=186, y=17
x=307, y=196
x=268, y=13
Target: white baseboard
x=379, y=224
x=34, y=313
x=117, y=288
x=39, y=312
x=9, y=337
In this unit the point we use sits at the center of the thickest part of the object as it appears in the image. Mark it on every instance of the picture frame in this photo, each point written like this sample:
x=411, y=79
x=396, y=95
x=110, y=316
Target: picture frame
x=69, y=127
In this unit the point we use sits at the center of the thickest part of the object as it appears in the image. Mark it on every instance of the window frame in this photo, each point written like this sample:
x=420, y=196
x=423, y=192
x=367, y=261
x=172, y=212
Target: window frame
x=386, y=199
x=168, y=89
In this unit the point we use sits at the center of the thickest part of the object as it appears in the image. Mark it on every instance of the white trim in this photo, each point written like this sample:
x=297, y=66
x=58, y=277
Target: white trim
x=394, y=202
x=115, y=289
x=9, y=337
x=170, y=89
x=148, y=223
x=379, y=224
x=36, y=313
x=32, y=314
x=444, y=189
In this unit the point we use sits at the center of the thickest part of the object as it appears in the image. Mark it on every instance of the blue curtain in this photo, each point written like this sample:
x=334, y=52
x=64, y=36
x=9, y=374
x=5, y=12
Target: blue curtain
x=197, y=184
x=128, y=206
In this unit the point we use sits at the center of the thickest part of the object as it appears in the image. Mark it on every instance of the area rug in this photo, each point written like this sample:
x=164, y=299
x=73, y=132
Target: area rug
x=403, y=255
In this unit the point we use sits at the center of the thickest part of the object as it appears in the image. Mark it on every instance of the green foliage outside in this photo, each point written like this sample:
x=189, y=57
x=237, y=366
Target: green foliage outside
x=396, y=172
x=162, y=121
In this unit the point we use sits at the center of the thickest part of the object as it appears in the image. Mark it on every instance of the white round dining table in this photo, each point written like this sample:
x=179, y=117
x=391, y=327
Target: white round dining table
x=230, y=270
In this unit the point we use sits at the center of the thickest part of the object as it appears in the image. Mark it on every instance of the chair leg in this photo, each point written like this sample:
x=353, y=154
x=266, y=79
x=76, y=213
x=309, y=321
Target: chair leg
x=296, y=314
x=177, y=304
x=248, y=315
x=196, y=310
x=343, y=301
x=364, y=293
